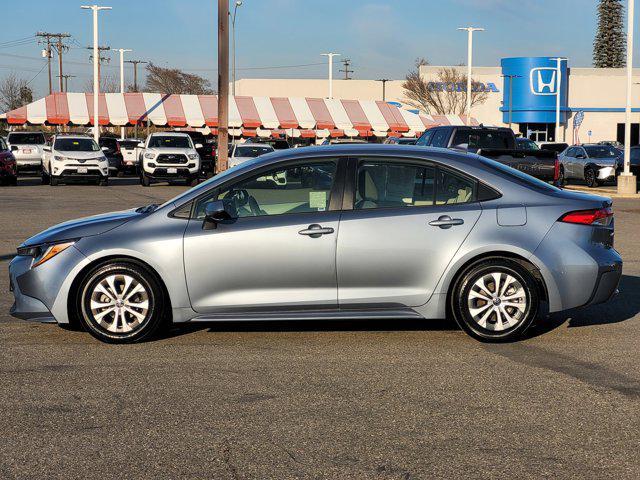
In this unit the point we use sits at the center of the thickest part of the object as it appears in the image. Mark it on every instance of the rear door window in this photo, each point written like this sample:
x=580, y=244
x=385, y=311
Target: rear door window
x=440, y=138
x=426, y=137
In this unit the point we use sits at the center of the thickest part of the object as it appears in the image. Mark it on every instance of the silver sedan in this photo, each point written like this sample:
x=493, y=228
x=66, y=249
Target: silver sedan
x=343, y=232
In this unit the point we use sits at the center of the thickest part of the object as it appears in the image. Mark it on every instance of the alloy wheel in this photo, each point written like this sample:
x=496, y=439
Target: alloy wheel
x=497, y=301
x=119, y=304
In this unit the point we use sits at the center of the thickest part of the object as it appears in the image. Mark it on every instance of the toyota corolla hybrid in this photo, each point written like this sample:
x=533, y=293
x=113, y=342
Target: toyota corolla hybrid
x=343, y=232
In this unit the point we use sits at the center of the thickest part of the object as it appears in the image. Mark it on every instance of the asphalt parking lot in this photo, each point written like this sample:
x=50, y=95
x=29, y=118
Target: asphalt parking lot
x=384, y=400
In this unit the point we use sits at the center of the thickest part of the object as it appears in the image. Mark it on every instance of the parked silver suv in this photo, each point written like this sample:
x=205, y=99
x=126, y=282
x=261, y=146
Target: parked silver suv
x=344, y=232
x=27, y=149
x=590, y=163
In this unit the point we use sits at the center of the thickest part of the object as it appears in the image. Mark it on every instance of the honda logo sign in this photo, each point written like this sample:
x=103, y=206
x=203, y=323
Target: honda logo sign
x=544, y=81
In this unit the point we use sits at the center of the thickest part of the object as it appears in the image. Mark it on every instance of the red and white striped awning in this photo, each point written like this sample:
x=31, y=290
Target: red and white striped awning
x=248, y=116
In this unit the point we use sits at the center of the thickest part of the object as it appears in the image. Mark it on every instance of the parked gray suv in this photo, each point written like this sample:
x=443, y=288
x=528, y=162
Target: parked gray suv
x=590, y=163
x=342, y=232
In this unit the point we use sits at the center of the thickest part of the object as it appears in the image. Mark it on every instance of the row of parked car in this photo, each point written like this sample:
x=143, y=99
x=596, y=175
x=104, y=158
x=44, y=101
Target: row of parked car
x=188, y=156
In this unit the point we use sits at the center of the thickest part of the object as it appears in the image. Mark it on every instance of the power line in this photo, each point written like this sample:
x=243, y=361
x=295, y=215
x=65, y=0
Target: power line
x=60, y=47
x=34, y=77
x=135, y=64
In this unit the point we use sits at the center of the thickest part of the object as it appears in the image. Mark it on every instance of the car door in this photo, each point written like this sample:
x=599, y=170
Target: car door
x=568, y=163
x=407, y=221
x=279, y=250
x=579, y=162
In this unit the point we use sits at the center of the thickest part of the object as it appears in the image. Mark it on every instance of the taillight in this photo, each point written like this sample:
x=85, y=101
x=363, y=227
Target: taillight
x=598, y=216
x=556, y=170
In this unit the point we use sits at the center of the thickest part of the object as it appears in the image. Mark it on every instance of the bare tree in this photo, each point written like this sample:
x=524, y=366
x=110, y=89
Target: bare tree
x=108, y=84
x=446, y=95
x=14, y=92
x=172, y=80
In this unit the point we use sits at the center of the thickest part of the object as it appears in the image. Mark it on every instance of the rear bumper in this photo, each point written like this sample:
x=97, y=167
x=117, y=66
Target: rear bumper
x=607, y=283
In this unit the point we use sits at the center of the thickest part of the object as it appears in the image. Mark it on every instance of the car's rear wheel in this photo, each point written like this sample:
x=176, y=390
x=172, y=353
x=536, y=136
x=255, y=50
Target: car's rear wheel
x=591, y=177
x=120, y=302
x=495, y=300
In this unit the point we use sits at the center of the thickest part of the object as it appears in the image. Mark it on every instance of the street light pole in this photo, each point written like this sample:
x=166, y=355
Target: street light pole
x=469, y=31
x=122, y=51
x=96, y=60
x=510, y=77
x=627, y=181
x=330, y=55
x=384, y=88
x=559, y=61
x=233, y=45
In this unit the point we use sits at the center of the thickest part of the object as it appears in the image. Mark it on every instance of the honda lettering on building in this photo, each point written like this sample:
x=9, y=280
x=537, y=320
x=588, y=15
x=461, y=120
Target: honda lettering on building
x=461, y=87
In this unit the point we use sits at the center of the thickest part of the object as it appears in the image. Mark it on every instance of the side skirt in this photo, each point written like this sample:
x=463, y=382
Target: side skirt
x=371, y=314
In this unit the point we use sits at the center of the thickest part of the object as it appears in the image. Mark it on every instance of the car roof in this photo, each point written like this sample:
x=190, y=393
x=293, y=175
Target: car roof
x=170, y=134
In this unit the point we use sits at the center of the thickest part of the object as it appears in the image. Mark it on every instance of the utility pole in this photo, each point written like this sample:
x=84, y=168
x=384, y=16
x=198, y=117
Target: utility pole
x=330, y=56
x=223, y=86
x=100, y=59
x=135, y=64
x=66, y=81
x=470, y=31
x=384, y=88
x=346, y=70
x=48, y=39
x=96, y=68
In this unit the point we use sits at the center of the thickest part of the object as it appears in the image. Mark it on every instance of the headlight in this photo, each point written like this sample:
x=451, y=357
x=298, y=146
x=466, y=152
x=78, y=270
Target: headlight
x=59, y=158
x=45, y=252
x=192, y=156
x=149, y=155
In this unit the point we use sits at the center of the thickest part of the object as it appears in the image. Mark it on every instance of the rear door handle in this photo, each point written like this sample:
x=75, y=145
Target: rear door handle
x=445, y=221
x=315, y=231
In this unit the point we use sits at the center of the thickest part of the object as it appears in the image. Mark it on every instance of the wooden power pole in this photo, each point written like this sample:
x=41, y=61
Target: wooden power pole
x=47, y=39
x=223, y=85
x=135, y=64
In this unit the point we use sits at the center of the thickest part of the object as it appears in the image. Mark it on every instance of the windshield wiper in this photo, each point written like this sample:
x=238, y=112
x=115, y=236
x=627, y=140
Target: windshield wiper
x=148, y=208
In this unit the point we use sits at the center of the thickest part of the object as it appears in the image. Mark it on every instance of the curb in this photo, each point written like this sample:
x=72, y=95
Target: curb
x=601, y=191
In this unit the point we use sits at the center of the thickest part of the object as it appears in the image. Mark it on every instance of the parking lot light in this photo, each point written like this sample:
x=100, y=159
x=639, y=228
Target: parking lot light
x=96, y=60
x=469, y=31
x=627, y=181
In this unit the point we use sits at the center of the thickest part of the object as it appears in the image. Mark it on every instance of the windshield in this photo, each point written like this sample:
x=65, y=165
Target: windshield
x=76, y=145
x=252, y=151
x=129, y=143
x=519, y=176
x=602, y=151
x=26, y=138
x=158, y=141
x=526, y=144
x=489, y=139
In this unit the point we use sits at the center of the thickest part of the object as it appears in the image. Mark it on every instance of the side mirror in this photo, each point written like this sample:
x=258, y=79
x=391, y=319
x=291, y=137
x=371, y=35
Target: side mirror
x=141, y=145
x=45, y=148
x=216, y=212
x=198, y=146
x=105, y=149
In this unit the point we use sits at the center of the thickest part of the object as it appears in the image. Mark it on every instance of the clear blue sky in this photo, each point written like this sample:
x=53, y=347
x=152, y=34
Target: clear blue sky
x=382, y=38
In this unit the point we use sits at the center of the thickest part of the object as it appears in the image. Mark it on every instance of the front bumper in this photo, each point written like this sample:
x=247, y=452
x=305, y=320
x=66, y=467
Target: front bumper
x=40, y=293
x=607, y=173
x=167, y=171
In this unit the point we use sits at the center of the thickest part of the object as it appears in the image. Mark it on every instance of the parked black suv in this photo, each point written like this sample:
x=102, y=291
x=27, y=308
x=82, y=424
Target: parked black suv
x=113, y=154
x=207, y=153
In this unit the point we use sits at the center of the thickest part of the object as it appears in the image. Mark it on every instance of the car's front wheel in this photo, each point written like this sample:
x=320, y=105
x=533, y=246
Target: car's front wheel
x=495, y=300
x=591, y=177
x=120, y=302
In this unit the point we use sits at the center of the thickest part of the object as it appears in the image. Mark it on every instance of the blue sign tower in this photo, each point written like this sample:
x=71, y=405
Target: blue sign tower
x=535, y=87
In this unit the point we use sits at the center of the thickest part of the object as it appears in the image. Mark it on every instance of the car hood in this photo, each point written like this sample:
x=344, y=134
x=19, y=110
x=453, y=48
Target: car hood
x=172, y=151
x=80, y=155
x=82, y=227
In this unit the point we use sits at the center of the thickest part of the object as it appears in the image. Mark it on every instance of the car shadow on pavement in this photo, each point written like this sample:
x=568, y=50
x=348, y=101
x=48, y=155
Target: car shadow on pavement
x=624, y=306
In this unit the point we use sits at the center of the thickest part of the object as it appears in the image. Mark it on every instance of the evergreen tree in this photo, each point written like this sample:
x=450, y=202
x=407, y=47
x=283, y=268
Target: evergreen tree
x=610, y=43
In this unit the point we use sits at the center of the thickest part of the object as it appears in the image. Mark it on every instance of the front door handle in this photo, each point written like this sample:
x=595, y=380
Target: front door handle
x=315, y=231
x=445, y=221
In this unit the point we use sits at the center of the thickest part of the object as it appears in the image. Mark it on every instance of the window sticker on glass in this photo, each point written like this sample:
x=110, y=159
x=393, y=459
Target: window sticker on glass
x=318, y=200
x=76, y=143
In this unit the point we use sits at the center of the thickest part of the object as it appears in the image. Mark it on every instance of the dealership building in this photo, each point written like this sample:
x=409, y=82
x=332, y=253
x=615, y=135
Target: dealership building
x=523, y=89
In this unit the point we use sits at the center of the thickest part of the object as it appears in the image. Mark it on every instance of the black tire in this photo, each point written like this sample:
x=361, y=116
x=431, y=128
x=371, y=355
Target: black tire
x=518, y=319
x=591, y=177
x=54, y=181
x=120, y=173
x=107, y=330
x=45, y=178
x=144, y=180
x=13, y=181
x=103, y=182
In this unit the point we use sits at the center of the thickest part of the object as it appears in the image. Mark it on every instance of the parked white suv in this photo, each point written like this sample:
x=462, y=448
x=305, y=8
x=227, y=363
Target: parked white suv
x=242, y=152
x=74, y=157
x=27, y=148
x=169, y=156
